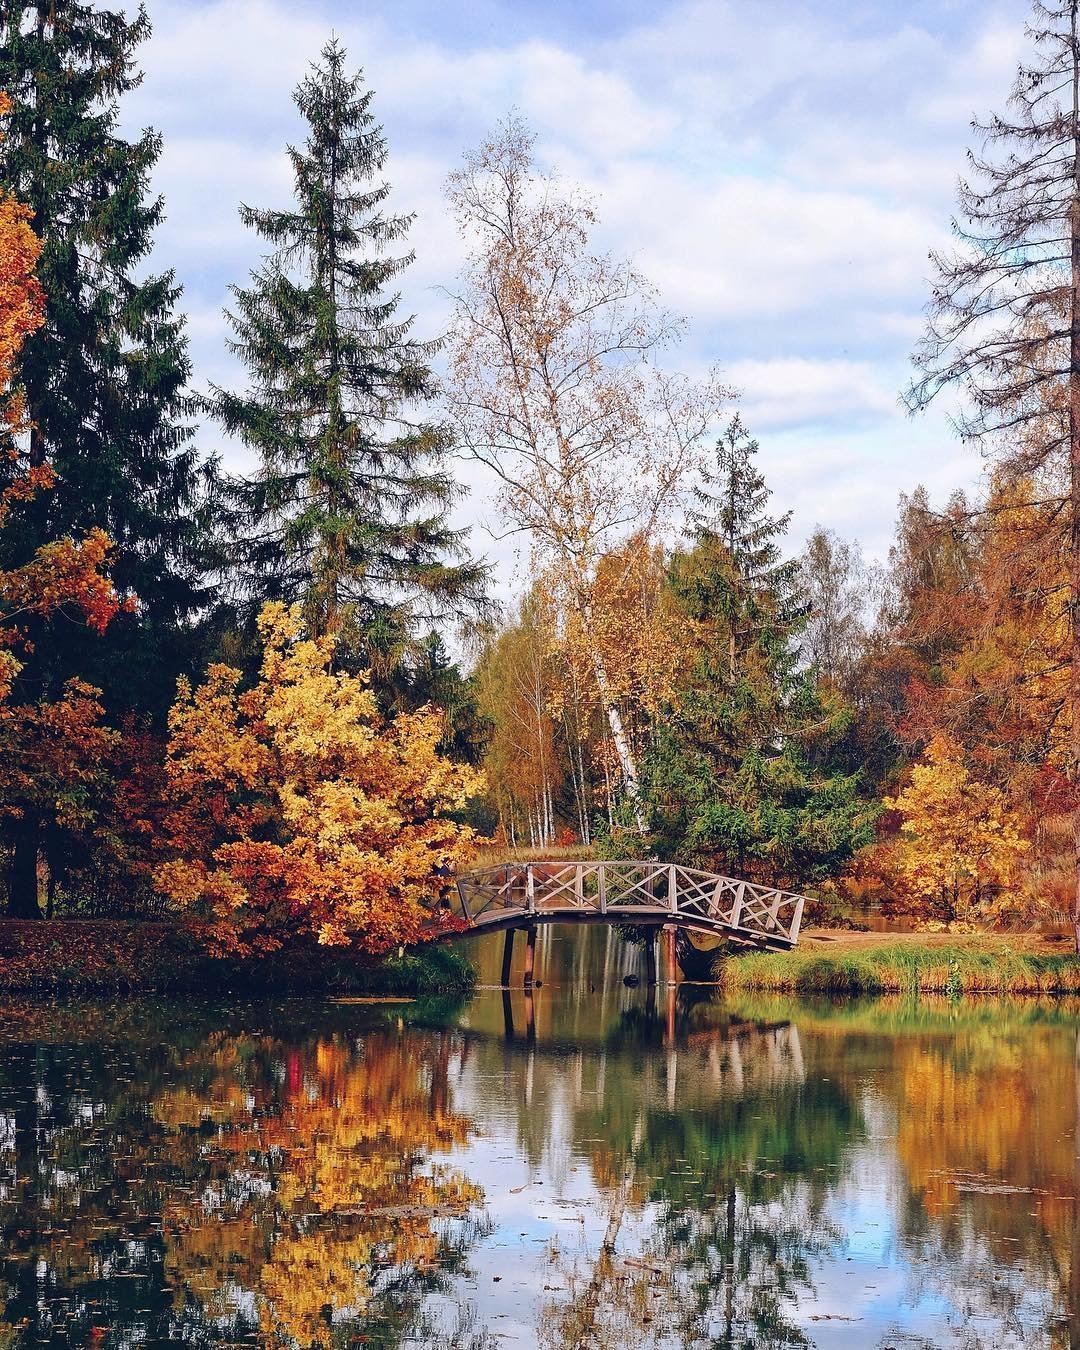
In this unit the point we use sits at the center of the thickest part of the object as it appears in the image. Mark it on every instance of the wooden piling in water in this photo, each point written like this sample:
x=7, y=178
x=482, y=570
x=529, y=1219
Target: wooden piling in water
x=670, y=962
x=530, y=955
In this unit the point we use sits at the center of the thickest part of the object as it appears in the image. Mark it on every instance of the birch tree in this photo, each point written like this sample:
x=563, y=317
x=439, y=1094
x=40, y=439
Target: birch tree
x=1004, y=317
x=555, y=390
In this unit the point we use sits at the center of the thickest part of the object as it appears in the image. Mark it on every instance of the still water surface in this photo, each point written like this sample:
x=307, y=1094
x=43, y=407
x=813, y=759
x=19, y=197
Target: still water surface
x=584, y=1171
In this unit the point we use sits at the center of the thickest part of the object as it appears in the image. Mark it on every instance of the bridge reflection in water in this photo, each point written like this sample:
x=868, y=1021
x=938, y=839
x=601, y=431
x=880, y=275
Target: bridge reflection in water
x=664, y=897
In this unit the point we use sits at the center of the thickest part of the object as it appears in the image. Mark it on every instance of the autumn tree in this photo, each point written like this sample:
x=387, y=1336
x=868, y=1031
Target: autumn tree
x=51, y=750
x=555, y=389
x=1004, y=318
x=516, y=681
x=346, y=512
x=296, y=812
x=103, y=379
x=22, y=301
x=959, y=842
x=972, y=644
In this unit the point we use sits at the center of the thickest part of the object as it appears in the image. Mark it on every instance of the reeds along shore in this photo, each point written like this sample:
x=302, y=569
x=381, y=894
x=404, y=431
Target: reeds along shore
x=979, y=965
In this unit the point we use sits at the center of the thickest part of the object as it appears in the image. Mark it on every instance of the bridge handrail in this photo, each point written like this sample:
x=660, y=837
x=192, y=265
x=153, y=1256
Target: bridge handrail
x=622, y=886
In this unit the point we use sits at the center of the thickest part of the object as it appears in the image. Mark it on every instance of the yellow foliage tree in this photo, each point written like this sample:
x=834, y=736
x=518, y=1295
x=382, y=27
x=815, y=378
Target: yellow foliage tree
x=959, y=841
x=295, y=809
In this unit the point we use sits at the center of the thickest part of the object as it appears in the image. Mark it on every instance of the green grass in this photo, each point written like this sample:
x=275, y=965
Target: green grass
x=436, y=969
x=976, y=966
x=110, y=956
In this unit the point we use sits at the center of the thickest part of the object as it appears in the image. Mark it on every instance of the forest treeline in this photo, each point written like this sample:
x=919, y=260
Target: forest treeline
x=283, y=703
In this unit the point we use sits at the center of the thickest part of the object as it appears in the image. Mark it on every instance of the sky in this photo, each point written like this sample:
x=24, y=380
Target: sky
x=780, y=171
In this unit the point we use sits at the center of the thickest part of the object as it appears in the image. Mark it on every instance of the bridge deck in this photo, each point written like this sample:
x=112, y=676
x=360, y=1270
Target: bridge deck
x=519, y=895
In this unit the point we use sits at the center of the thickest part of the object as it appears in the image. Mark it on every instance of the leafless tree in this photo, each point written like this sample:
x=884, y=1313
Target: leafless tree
x=1004, y=317
x=554, y=387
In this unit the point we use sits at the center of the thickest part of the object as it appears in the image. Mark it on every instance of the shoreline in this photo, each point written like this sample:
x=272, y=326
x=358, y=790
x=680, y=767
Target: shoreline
x=115, y=956
x=835, y=961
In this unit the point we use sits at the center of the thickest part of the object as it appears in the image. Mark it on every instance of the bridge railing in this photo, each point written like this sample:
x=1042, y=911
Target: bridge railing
x=628, y=891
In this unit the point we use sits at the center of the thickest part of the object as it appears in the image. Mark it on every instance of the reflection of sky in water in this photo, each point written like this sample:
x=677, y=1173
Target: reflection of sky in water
x=903, y=1174
x=877, y=1284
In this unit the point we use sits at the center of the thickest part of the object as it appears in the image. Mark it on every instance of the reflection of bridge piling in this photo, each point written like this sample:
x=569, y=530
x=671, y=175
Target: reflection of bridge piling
x=508, y=956
x=671, y=967
x=650, y=961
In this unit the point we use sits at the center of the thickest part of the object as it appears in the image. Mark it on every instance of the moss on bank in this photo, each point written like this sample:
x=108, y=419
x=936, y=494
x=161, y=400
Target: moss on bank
x=975, y=965
x=110, y=956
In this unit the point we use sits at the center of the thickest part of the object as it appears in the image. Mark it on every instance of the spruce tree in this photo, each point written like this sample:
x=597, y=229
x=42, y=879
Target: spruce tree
x=740, y=773
x=346, y=512
x=105, y=377
x=750, y=586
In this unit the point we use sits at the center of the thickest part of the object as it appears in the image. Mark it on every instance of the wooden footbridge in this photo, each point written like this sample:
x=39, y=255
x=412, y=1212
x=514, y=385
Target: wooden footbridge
x=663, y=896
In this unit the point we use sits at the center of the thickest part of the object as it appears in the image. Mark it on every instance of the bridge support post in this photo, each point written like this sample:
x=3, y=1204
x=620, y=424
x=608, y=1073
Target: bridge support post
x=530, y=955
x=670, y=963
x=508, y=955
x=650, y=961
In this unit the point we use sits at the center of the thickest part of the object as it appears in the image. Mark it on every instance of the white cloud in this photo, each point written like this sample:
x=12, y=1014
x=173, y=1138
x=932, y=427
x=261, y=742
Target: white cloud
x=779, y=170
x=800, y=391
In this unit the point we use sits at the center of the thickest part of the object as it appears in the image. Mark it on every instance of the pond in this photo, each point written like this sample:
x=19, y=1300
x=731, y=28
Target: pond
x=586, y=1169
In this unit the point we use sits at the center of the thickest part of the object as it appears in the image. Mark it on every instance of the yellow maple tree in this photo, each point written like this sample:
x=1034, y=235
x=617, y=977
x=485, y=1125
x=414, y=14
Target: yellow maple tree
x=295, y=809
x=959, y=841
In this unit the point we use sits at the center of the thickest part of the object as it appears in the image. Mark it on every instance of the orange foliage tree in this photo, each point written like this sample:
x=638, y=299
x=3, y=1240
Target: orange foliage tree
x=295, y=809
x=22, y=303
x=51, y=751
x=972, y=647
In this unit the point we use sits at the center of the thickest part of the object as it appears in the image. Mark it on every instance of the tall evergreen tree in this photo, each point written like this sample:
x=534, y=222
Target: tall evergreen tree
x=105, y=377
x=347, y=510
x=745, y=581
x=739, y=772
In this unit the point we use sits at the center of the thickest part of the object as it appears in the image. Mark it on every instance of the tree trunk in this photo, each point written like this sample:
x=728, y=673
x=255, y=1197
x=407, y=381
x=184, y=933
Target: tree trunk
x=1073, y=1303
x=621, y=741
x=1074, y=477
x=625, y=755
x=22, y=871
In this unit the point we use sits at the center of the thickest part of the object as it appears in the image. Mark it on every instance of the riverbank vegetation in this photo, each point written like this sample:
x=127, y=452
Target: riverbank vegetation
x=102, y=956
x=906, y=964
x=227, y=700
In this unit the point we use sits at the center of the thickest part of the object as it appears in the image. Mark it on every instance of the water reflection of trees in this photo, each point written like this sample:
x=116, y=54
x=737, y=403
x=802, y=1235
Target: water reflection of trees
x=277, y=1187
x=288, y=1178
x=984, y=1100
x=714, y=1155
x=988, y=1133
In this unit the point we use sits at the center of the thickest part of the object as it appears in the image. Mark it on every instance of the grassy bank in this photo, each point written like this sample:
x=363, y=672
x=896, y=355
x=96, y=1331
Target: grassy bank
x=912, y=963
x=109, y=956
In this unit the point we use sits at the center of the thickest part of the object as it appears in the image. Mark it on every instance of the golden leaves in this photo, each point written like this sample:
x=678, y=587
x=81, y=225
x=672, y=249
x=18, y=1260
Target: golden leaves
x=297, y=811
x=22, y=302
x=958, y=835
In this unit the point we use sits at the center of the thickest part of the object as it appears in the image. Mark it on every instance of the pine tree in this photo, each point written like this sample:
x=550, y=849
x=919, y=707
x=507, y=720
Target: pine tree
x=753, y=589
x=739, y=772
x=347, y=510
x=105, y=376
